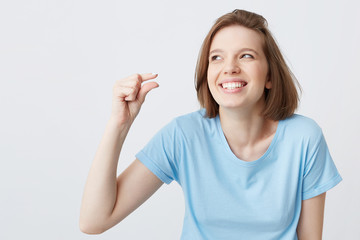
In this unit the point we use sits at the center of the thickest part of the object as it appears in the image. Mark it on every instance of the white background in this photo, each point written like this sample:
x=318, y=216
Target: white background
x=60, y=59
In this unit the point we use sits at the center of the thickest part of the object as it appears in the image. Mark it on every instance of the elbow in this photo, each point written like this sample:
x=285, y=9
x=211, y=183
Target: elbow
x=90, y=228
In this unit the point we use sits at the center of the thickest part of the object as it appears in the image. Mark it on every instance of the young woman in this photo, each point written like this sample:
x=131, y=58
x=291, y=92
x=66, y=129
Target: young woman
x=249, y=167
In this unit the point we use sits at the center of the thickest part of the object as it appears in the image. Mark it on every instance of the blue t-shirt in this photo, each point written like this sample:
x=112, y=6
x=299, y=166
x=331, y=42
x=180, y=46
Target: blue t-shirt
x=228, y=198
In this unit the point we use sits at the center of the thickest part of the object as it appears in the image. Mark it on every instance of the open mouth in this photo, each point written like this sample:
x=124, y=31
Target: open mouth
x=233, y=85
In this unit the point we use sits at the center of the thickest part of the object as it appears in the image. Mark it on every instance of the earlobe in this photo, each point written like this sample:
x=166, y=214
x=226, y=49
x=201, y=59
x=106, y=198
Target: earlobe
x=268, y=83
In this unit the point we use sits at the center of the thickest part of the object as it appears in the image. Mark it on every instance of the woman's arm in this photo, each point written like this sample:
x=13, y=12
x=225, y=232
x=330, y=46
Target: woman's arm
x=311, y=220
x=108, y=199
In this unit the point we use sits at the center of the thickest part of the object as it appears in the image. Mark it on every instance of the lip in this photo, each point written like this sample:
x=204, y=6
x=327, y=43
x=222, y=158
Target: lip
x=232, y=80
x=229, y=80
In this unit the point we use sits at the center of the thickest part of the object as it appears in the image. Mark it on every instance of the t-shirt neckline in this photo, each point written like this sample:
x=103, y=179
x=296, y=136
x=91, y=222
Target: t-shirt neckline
x=234, y=157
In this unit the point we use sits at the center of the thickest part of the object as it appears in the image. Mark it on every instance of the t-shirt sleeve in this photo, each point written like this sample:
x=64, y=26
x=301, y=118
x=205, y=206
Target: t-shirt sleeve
x=320, y=173
x=161, y=154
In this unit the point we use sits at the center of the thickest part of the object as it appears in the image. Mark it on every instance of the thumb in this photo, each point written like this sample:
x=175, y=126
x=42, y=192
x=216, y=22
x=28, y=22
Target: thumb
x=147, y=87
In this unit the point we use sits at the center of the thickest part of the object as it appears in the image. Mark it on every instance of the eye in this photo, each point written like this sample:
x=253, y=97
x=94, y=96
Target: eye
x=215, y=58
x=247, y=56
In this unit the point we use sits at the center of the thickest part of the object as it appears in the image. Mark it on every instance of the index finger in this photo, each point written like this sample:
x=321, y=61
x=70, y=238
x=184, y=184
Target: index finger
x=147, y=76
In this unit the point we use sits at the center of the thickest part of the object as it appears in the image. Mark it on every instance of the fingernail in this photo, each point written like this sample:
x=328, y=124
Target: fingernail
x=154, y=73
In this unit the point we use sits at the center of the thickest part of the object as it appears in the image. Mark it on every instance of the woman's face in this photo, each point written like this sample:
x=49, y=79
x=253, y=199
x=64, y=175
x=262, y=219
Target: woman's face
x=238, y=69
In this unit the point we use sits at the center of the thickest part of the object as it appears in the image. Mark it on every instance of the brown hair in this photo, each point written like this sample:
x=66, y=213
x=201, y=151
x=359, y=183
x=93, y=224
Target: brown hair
x=282, y=99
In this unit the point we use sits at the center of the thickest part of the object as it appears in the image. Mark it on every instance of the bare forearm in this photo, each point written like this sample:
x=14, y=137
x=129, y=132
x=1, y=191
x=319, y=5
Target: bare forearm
x=100, y=190
x=101, y=195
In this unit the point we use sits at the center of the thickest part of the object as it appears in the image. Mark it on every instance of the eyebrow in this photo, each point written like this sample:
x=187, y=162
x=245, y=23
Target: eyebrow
x=241, y=50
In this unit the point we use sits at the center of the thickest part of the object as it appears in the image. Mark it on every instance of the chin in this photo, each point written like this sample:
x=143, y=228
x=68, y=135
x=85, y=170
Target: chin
x=231, y=106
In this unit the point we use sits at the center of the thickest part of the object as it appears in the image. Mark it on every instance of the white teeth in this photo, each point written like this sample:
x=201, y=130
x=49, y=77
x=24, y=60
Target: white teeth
x=232, y=85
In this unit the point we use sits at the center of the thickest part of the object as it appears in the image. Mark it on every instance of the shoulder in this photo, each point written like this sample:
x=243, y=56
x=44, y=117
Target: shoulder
x=301, y=126
x=301, y=123
x=193, y=123
x=196, y=117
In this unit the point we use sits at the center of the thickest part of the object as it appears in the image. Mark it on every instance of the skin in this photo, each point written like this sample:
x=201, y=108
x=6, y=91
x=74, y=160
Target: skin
x=236, y=53
x=311, y=218
x=108, y=198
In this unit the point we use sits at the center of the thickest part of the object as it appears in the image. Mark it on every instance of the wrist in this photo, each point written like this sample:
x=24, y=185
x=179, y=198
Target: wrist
x=115, y=123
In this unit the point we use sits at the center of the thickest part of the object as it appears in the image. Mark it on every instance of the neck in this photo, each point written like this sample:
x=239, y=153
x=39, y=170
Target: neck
x=245, y=128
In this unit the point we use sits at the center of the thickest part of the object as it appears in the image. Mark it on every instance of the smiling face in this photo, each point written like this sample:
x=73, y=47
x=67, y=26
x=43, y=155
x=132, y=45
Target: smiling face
x=238, y=69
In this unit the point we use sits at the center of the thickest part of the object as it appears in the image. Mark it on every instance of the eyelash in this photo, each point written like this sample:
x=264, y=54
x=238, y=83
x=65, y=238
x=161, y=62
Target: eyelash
x=213, y=58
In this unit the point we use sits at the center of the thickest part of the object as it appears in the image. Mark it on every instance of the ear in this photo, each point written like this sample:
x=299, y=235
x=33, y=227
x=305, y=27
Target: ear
x=268, y=83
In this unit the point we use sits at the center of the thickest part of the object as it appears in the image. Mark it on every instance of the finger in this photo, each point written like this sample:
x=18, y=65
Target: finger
x=128, y=88
x=125, y=93
x=147, y=76
x=132, y=93
x=147, y=87
x=142, y=78
x=135, y=79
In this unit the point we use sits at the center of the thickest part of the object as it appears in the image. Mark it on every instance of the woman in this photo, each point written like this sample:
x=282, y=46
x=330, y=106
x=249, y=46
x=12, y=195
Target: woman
x=249, y=167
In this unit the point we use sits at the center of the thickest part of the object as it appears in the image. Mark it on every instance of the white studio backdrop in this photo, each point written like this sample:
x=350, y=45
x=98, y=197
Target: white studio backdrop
x=60, y=59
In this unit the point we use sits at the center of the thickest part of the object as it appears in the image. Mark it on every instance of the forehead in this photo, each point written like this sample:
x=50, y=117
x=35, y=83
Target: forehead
x=236, y=37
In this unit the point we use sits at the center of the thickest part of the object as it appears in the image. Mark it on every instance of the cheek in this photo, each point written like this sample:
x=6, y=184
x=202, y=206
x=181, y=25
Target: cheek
x=262, y=73
x=212, y=73
x=210, y=70
x=210, y=77
x=211, y=80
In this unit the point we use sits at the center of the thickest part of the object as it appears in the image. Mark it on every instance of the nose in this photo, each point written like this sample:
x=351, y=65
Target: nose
x=231, y=67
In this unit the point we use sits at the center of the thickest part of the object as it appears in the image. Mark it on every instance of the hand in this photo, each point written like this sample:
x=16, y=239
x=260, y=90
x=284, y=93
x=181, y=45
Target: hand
x=128, y=96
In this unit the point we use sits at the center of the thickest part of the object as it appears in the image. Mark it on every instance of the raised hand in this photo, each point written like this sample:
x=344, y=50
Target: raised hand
x=128, y=96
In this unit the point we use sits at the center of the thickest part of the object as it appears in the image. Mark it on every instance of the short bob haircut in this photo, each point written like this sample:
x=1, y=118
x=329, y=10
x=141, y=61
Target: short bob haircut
x=282, y=99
